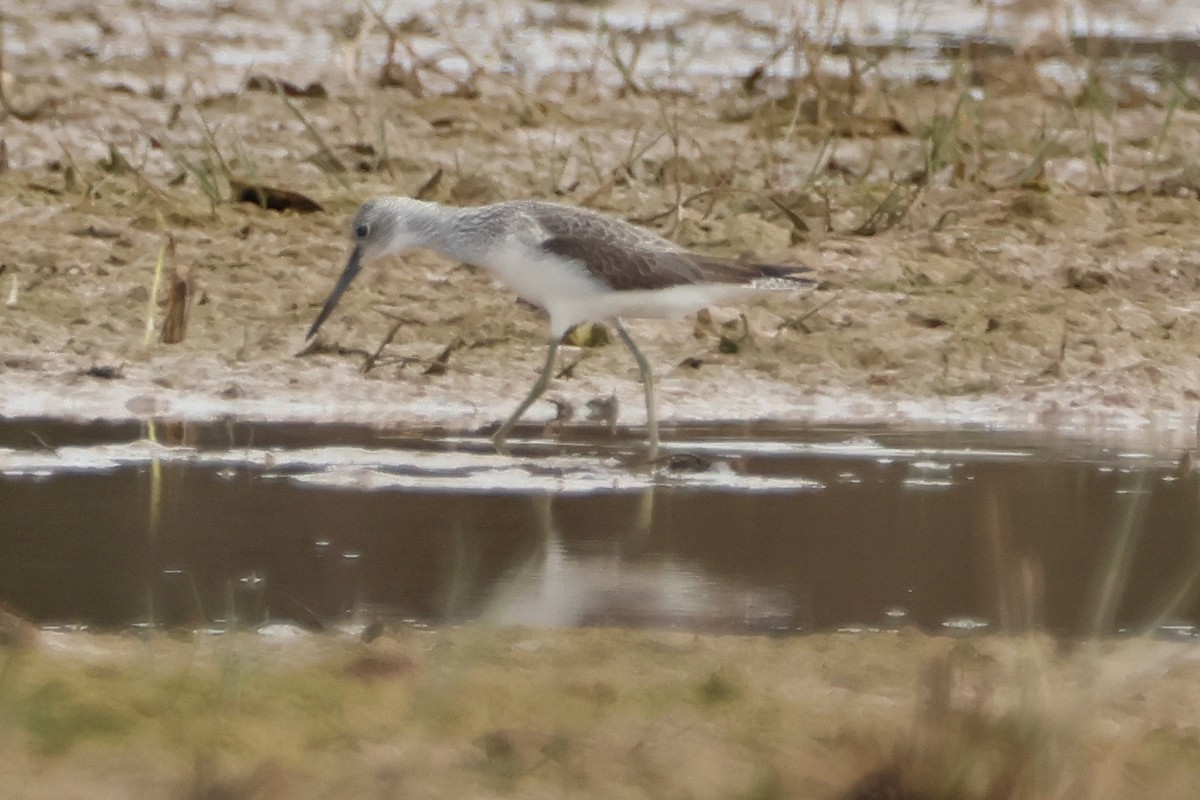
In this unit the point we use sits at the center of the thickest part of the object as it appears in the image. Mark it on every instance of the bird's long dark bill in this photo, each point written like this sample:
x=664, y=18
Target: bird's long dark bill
x=343, y=282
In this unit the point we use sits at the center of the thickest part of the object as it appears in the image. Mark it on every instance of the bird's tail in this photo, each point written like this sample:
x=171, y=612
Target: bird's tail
x=779, y=276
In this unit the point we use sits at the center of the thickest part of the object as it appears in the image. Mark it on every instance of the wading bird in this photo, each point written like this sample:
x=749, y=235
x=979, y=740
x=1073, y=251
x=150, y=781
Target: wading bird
x=578, y=265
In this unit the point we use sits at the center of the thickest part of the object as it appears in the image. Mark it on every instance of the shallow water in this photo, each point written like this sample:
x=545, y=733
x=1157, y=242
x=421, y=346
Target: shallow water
x=746, y=528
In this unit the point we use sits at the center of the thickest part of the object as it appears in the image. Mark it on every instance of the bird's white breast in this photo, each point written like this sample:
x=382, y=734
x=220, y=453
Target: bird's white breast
x=557, y=285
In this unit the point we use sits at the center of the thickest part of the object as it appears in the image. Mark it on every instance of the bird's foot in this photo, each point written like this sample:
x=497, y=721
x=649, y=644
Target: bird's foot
x=500, y=442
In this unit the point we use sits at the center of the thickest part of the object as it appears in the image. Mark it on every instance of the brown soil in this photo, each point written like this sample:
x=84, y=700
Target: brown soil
x=996, y=242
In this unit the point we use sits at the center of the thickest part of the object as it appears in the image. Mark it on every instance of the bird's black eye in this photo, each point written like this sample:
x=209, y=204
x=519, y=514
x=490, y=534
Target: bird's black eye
x=361, y=231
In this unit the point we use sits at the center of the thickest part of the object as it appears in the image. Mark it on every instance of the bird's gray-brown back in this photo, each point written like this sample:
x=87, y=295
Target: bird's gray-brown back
x=617, y=253
x=626, y=257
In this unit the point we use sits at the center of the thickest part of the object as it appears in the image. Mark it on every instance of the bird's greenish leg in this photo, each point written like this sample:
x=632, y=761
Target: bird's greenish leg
x=647, y=386
x=500, y=437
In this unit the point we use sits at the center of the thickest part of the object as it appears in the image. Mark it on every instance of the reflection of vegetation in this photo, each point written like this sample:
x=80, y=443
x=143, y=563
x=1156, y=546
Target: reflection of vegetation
x=460, y=576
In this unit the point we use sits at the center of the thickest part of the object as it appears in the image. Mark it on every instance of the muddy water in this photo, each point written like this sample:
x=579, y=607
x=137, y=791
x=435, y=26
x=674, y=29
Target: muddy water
x=753, y=528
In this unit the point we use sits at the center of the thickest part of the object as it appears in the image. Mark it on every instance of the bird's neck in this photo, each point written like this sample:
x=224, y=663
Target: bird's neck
x=437, y=227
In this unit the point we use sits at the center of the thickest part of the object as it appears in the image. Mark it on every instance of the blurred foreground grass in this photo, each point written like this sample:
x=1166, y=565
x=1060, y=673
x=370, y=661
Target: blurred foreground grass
x=521, y=712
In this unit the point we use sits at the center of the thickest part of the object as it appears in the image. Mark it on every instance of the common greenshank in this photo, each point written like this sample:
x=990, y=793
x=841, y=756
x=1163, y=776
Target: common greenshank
x=577, y=264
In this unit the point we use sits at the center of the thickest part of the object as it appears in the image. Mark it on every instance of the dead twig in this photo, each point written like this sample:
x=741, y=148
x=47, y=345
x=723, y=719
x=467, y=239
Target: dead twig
x=178, y=306
x=889, y=212
x=798, y=224
x=412, y=81
x=564, y=412
x=797, y=323
x=439, y=365
x=685, y=202
x=569, y=370
x=625, y=167
x=335, y=165
x=318, y=346
x=626, y=67
x=373, y=359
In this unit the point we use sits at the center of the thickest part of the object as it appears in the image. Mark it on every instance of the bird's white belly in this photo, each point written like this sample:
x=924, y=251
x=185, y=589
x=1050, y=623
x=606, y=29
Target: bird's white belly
x=571, y=295
x=564, y=288
x=670, y=302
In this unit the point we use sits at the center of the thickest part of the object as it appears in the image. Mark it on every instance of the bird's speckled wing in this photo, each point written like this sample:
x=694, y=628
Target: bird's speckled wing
x=627, y=258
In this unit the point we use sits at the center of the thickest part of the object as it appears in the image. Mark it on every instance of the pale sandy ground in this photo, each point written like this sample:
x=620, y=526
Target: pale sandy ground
x=1066, y=300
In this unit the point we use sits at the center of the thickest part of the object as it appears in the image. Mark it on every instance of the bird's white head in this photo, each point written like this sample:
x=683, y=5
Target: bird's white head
x=391, y=225
x=381, y=226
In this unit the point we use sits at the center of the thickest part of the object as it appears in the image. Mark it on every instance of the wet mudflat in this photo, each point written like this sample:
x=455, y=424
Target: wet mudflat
x=767, y=528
